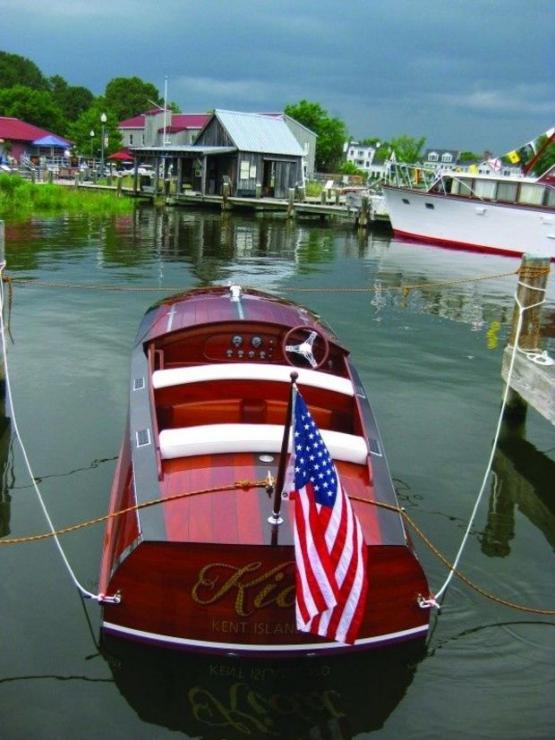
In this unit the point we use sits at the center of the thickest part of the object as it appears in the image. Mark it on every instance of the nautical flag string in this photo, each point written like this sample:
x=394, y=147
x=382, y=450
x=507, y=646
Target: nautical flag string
x=330, y=552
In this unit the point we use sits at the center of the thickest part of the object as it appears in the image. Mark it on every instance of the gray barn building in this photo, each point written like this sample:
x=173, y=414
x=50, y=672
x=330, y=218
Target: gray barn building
x=244, y=149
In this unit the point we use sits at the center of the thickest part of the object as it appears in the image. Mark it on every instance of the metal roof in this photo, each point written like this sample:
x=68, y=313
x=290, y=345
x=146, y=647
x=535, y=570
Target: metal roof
x=255, y=132
x=195, y=149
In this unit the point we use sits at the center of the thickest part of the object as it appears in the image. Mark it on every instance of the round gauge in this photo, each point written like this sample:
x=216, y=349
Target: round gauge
x=237, y=340
x=256, y=342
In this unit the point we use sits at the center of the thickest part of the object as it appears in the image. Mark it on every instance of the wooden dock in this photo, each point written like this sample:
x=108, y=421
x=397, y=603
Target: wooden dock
x=368, y=211
x=290, y=208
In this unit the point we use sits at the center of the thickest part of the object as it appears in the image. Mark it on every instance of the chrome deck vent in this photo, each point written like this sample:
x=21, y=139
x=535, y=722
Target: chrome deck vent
x=375, y=448
x=138, y=384
x=143, y=437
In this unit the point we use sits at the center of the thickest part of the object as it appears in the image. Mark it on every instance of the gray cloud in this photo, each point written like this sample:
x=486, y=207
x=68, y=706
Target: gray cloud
x=468, y=73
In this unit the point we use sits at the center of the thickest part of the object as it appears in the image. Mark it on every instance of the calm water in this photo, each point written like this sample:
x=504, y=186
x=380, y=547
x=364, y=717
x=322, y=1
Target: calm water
x=430, y=360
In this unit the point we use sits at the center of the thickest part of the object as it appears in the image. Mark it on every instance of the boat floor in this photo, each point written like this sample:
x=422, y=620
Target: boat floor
x=240, y=516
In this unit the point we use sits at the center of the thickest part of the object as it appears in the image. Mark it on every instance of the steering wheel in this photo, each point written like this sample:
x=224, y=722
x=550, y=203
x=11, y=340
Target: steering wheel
x=313, y=347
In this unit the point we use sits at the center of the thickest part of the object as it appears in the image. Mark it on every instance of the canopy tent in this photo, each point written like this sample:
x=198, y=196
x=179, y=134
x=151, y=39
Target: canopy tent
x=121, y=156
x=54, y=142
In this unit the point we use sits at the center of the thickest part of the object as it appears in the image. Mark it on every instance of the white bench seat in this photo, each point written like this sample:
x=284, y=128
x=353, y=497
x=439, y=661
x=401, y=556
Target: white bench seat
x=249, y=371
x=213, y=439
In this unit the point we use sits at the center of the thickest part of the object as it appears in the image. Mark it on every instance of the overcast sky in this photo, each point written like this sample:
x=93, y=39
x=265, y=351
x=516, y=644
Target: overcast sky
x=466, y=74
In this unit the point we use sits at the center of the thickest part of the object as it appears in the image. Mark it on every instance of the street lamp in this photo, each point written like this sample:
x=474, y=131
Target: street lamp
x=103, y=119
x=91, y=134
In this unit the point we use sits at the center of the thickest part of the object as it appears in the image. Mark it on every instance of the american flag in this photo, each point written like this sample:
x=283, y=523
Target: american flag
x=330, y=552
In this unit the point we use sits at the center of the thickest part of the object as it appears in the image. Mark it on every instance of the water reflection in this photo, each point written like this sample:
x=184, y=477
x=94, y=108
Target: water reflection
x=212, y=698
x=6, y=463
x=443, y=283
x=523, y=480
x=6, y=480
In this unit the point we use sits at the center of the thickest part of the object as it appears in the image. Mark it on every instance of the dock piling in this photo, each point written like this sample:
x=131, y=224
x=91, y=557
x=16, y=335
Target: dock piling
x=531, y=383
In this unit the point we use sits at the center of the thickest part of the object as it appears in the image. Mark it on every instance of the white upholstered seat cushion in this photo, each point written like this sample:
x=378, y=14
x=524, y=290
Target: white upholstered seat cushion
x=213, y=439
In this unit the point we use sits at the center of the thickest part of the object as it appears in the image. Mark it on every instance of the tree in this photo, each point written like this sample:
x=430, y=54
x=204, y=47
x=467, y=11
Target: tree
x=331, y=132
x=129, y=96
x=89, y=120
x=469, y=157
x=374, y=141
x=18, y=70
x=73, y=100
x=32, y=106
x=407, y=148
x=546, y=158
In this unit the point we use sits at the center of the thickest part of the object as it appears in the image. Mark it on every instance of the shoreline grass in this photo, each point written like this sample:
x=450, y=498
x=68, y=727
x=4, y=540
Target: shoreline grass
x=19, y=197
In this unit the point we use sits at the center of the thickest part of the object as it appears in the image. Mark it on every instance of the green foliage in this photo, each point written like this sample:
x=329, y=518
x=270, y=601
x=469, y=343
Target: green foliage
x=32, y=106
x=129, y=96
x=546, y=159
x=350, y=168
x=18, y=70
x=72, y=100
x=20, y=197
x=89, y=120
x=331, y=133
x=371, y=141
x=408, y=148
x=469, y=157
x=313, y=188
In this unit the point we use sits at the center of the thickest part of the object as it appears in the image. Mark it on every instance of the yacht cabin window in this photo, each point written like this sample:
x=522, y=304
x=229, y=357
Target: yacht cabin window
x=485, y=189
x=531, y=194
x=506, y=191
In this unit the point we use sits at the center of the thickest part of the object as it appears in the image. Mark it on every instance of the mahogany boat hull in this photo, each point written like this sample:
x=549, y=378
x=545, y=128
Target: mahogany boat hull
x=193, y=556
x=240, y=599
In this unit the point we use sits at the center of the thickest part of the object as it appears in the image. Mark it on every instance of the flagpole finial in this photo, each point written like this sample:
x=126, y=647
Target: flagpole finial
x=294, y=375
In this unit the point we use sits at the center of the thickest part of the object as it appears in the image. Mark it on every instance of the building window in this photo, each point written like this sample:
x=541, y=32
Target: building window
x=130, y=139
x=446, y=157
x=433, y=157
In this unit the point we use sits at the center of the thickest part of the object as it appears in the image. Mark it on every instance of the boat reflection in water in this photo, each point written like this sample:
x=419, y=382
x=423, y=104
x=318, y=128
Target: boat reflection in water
x=211, y=698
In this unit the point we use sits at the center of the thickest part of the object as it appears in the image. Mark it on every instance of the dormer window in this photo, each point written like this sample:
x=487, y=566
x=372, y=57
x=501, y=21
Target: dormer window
x=446, y=157
x=433, y=157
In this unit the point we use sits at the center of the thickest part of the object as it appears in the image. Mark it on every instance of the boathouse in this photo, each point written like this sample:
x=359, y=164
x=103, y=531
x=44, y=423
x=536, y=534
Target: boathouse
x=247, y=151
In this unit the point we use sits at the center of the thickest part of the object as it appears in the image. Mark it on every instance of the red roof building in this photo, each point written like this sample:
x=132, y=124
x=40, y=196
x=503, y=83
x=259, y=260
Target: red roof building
x=148, y=128
x=17, y=137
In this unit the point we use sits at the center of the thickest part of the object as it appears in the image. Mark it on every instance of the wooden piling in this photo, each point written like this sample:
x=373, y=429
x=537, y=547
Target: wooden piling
x=362, y=217
x=291, y=203
x=533, y=381
x=226, y=192
x=531, y=290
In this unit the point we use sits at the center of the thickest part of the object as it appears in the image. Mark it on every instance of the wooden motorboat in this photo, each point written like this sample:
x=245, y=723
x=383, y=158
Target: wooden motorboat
x=206, y=567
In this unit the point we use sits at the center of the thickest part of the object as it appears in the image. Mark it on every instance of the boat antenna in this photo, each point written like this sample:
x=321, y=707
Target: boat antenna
x=275, y=517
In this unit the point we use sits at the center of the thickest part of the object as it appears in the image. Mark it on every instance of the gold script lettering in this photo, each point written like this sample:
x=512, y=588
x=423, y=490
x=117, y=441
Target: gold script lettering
x=216, y=580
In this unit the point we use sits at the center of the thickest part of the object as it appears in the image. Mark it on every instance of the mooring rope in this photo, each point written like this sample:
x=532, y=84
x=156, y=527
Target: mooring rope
x=521, y=310
x=87, y=594
x=31, y=282
x=242, y=485
x=246, y=485
x=453, y=567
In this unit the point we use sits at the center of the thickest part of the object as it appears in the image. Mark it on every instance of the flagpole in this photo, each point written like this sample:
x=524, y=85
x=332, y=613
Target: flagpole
x=275, y=518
